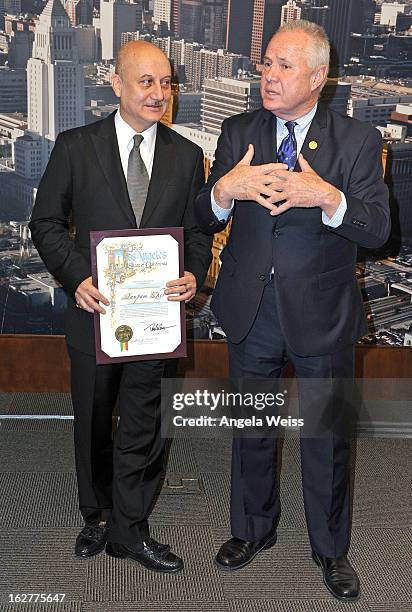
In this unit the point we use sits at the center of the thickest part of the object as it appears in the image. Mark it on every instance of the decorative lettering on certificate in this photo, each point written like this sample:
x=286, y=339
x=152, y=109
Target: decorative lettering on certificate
x=133, y=273
x=127, y=260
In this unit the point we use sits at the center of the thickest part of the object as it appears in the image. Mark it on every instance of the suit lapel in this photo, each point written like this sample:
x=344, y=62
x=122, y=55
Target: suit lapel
x=315, y=136
x=107, y=152
x=266, y=152
x=162, y=171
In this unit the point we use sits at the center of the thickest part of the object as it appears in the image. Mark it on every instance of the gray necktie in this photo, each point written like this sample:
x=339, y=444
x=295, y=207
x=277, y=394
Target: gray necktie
x=137, y=179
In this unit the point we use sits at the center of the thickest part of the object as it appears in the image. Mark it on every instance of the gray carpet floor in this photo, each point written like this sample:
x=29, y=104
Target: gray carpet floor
x=40, y=520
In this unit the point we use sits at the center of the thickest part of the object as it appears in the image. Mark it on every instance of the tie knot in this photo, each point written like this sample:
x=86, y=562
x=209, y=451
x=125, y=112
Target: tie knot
x=290, y=126
x=138, y=139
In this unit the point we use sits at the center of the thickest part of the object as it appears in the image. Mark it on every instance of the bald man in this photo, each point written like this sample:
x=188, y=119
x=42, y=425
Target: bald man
x=87, y=179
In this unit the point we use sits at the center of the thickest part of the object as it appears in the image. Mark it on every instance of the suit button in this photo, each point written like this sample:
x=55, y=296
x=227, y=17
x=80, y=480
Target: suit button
x=262, y=277
x=211, y=224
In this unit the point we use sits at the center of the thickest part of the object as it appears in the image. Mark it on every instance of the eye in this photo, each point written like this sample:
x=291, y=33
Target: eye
x=166, y=83
x=285, y=66
x=267, y=64
x=146, y=82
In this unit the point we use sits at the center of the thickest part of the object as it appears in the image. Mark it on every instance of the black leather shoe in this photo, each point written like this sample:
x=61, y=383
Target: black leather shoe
x=236, y=553
x=90, y=541
x=339, y=577
x=153, y=556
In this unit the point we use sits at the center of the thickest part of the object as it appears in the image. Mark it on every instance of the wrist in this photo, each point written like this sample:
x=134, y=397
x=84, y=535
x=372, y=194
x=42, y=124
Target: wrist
x=222, y=198
x=331, y=201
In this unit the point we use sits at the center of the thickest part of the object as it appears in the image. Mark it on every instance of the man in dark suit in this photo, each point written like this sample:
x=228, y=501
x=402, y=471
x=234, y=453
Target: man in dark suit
x=123, y=172
x=287, y=288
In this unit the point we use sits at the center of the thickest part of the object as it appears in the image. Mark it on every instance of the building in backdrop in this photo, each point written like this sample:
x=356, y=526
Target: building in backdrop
x=315, y=13
x=225, y=97
x=338, y=27
x=19, y=33
x=290, y=12
x=57, y=59
x=390, y=11
x=13, y=90
x=55, y=102
x=215, y=22
x=162, y=15
x=9, y=7
x=250, y=25
x=188, y=20
x=239, y=27
x=55, y=81
x=116, y=17
x=80, y=12
x=400, y=171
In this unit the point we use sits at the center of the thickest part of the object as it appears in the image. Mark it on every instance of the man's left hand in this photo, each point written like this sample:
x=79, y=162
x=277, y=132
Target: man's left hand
x=304, y=189
x=185, y=287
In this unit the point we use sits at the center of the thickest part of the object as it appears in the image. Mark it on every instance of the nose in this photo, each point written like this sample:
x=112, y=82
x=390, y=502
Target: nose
x=157, y=91
x=272, y=73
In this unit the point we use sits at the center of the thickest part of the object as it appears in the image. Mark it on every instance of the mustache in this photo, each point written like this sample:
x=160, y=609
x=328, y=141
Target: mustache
x=157, y=103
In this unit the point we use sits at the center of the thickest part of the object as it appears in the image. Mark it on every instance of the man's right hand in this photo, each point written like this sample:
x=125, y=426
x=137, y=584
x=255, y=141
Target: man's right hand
x=88, y=297
x=246, y=182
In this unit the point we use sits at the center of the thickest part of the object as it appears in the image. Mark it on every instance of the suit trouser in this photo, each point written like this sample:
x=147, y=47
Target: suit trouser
x=255, y=504
x=118, y=482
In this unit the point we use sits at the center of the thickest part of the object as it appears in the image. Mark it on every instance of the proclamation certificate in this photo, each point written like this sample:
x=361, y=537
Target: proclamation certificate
x=131, y=268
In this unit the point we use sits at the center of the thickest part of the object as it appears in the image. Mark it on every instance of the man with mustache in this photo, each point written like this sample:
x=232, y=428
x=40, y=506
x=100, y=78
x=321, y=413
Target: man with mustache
x=287, y=288
x=123, y=172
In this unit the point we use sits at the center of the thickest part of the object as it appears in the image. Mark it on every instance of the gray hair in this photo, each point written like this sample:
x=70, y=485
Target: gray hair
x=319, y=55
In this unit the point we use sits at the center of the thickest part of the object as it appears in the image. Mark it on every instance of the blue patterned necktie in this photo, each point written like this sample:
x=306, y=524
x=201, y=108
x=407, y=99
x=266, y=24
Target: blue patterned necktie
x=287, y=153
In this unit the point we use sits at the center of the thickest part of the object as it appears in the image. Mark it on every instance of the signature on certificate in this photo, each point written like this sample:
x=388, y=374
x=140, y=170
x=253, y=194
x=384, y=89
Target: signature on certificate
x=153, y=327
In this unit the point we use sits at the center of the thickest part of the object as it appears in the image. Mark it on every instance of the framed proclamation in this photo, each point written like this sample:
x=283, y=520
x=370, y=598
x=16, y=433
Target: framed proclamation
x=131, y=268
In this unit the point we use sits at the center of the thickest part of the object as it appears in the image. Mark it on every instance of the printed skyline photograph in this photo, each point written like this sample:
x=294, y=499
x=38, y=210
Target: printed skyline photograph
x=57, y=59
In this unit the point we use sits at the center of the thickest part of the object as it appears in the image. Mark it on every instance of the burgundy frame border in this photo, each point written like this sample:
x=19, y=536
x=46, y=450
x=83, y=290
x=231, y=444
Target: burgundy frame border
x=95, y=239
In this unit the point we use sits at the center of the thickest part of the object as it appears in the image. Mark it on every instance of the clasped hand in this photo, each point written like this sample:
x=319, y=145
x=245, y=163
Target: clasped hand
x=89, y=298
x=269, y=184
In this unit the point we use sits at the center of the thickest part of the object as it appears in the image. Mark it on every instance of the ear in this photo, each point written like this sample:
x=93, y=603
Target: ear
x=117, y=84
x=319, y=76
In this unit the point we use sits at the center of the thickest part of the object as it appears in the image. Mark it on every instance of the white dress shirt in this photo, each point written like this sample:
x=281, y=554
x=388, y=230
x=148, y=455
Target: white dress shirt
x=125, y=135
x=301, y=129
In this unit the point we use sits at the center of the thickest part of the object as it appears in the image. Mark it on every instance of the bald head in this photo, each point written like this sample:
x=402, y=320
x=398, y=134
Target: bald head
x=142, y=81
x=134, y=51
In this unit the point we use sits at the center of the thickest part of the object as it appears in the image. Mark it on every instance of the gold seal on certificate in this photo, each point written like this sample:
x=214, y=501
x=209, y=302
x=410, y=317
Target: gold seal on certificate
x=131, y=268
x=123, y=334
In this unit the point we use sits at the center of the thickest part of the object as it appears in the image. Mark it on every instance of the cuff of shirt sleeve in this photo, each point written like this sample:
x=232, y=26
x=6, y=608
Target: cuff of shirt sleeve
x=222, y=214
x=337, y=218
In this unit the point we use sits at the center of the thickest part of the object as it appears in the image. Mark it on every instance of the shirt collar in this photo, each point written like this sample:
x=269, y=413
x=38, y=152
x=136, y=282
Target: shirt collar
x=125, y=132
x=302, y=122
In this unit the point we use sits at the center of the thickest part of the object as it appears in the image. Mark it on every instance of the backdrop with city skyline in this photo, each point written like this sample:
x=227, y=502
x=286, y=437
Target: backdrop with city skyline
x=56, y=62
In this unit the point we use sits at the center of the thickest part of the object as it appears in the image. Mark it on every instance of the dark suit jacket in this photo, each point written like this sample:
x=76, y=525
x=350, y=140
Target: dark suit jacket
x=85, y=179
x=318, y=298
